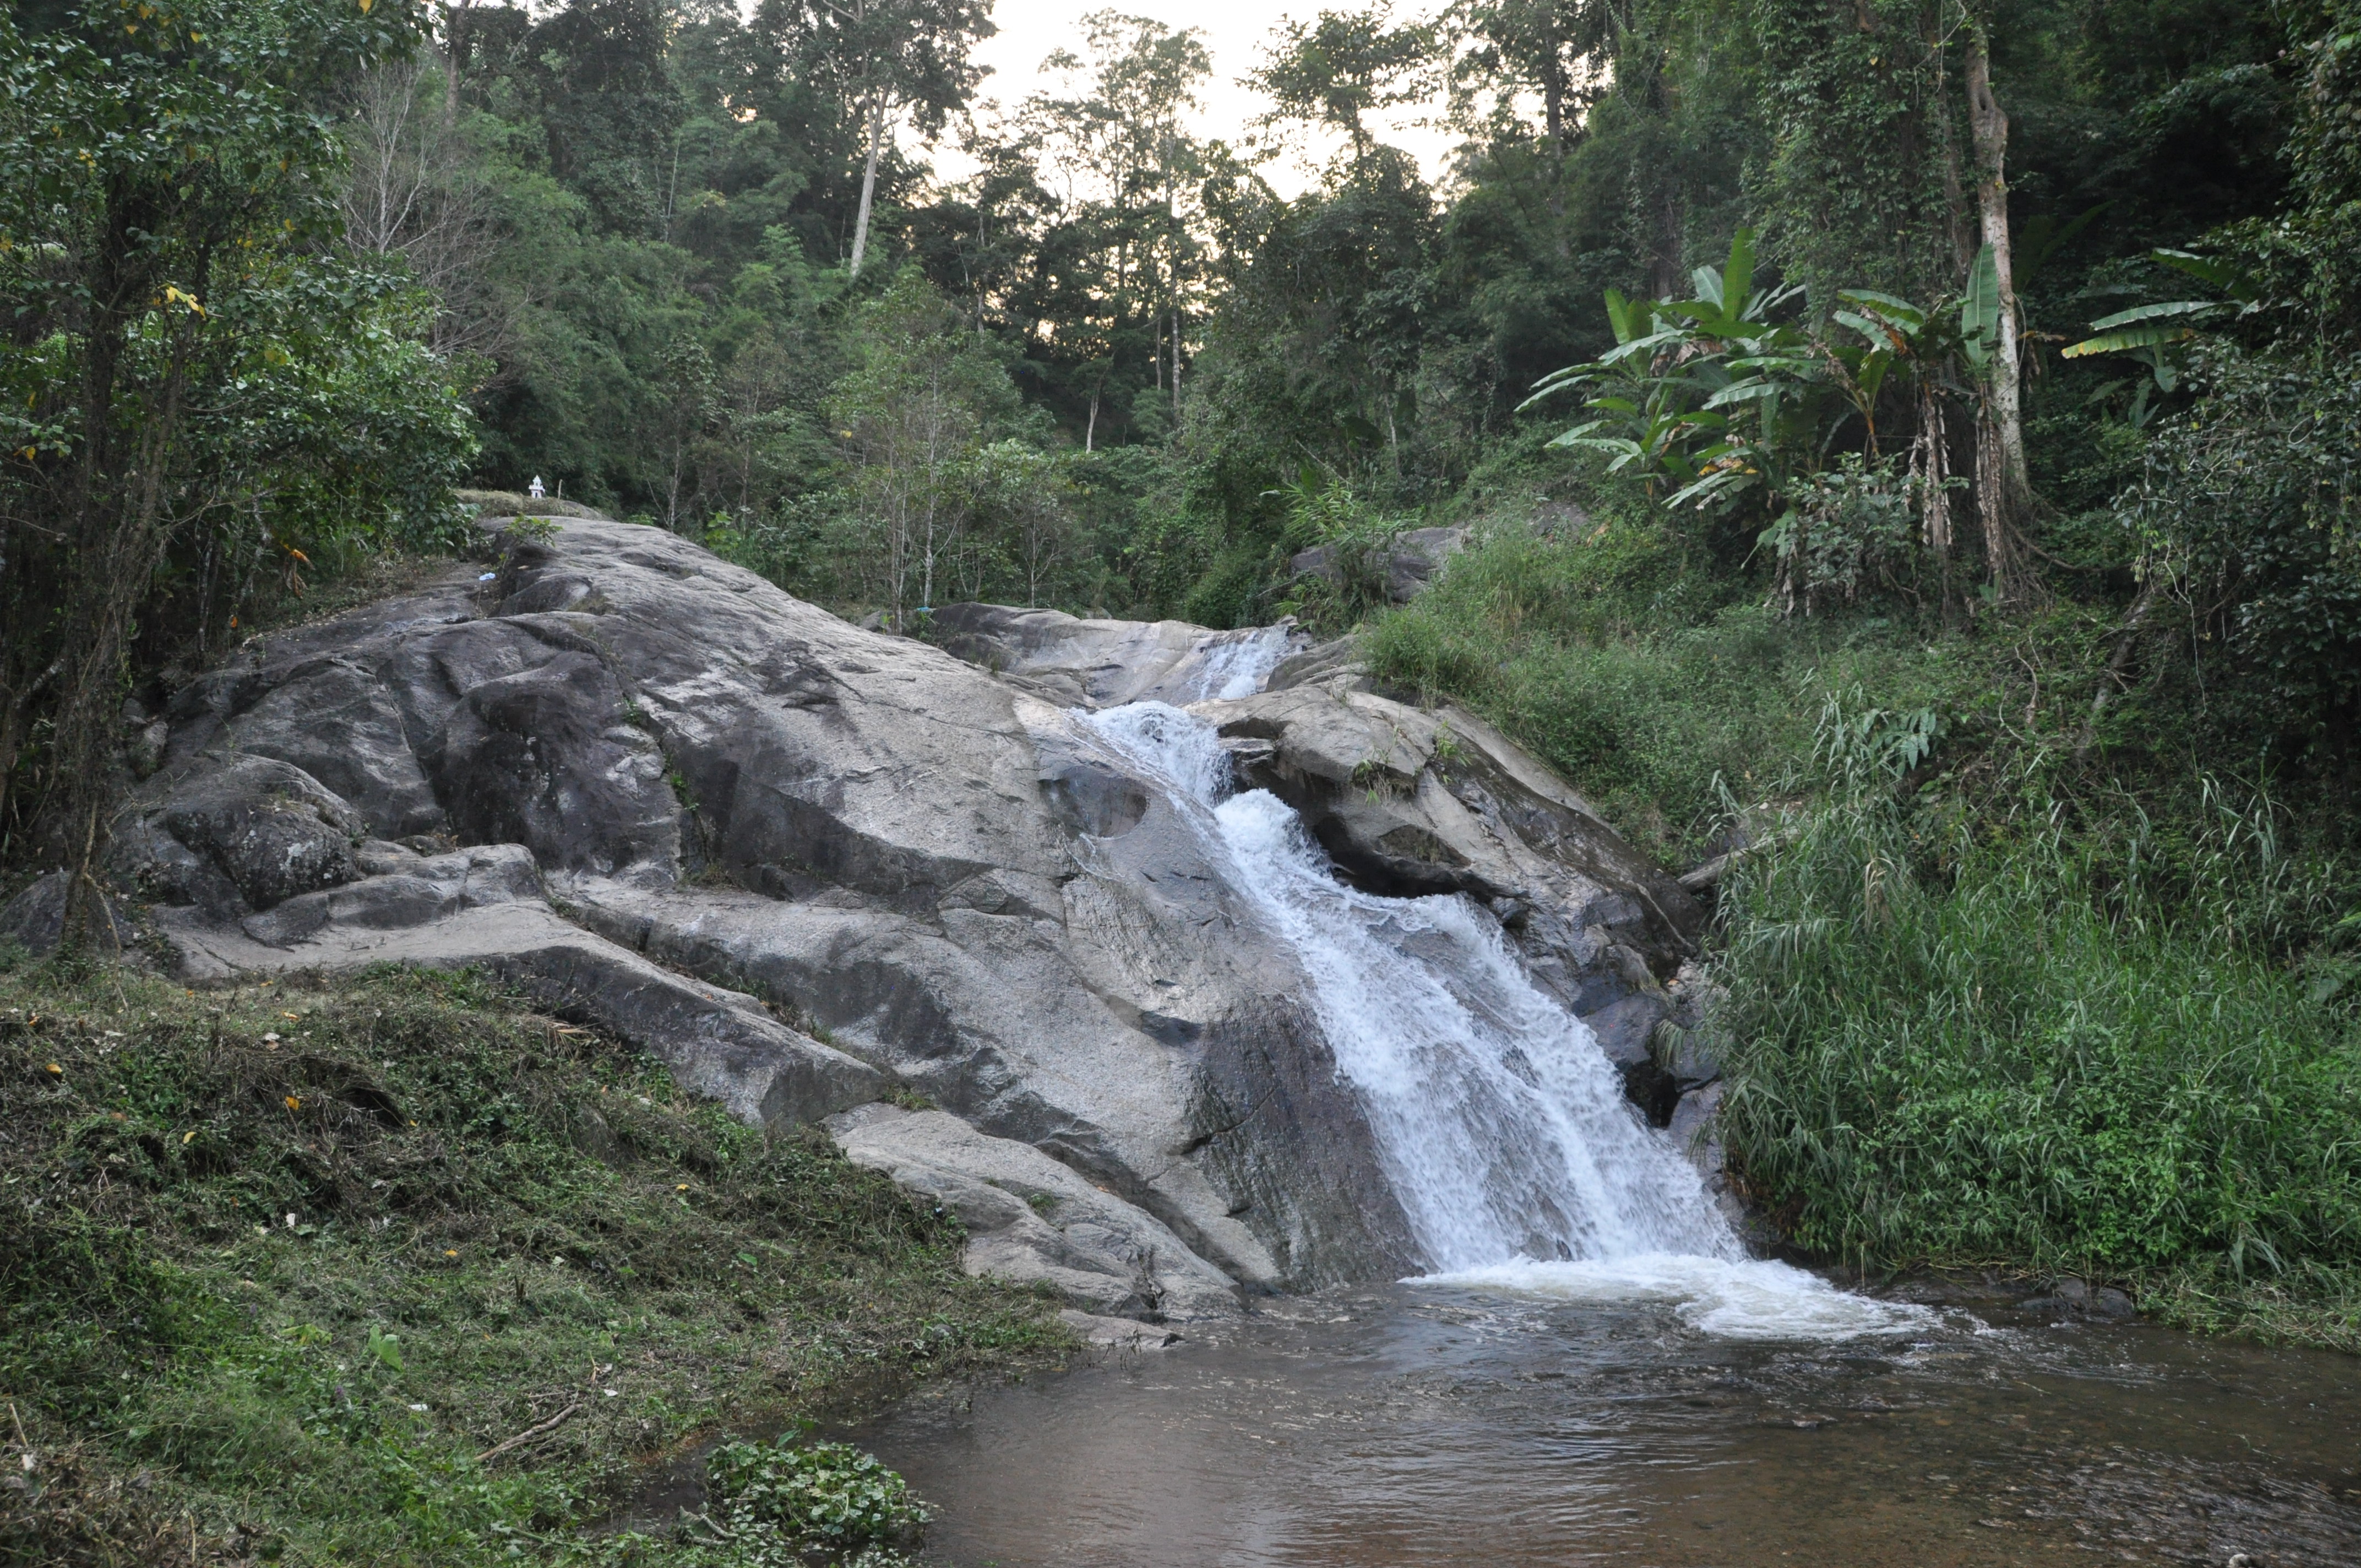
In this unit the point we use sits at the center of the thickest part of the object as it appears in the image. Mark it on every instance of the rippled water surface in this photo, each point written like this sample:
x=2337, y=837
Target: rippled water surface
x=1472, y=1424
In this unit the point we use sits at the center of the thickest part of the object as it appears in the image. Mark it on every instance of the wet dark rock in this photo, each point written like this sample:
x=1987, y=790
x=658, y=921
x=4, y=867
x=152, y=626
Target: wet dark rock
x=2082, y=1299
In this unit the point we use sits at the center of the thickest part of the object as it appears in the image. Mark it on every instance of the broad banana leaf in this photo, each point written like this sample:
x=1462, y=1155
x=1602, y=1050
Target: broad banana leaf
x=1738, y=278
x=2152, y=313
x=1621, y=316
x=1745, y=392
x=2227, y=276
x=1979, y=310
x=2123, y=342
x=1890, y=308
x=1870, y=377
x=1877, y=329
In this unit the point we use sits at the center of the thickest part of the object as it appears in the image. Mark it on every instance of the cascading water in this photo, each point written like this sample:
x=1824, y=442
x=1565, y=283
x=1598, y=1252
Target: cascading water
x=1500, y=1123
x=1233, y=665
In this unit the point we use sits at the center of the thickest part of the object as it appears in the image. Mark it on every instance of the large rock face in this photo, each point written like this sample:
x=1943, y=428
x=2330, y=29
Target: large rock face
x=805, y=864
x=830, y=874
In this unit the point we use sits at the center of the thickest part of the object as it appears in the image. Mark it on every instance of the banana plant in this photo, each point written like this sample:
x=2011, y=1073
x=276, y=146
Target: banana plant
x=2151, y=335
x=1892, y=328
x=1980, y=311
x=1669, y=395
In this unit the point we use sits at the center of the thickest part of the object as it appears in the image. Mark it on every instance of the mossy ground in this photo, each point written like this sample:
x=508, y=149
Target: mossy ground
x=277, y=1299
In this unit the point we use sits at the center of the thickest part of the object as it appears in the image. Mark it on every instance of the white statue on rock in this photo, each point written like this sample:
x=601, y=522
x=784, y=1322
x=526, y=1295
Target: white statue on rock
x=534, y=490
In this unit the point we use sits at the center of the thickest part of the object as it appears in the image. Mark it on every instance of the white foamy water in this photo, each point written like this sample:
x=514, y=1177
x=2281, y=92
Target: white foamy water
x=1501, y=1125
x=1737, y=1299
x=1227, y=670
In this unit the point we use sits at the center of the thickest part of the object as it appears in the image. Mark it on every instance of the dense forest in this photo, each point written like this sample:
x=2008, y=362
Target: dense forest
x=1910, y=449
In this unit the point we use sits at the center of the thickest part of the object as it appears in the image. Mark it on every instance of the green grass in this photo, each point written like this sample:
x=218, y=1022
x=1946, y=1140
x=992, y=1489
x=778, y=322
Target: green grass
x=496, y=1221
x=1955, y=1052
x=1650, y=688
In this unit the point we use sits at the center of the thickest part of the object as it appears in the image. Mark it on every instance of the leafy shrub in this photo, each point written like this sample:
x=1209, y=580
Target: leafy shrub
x=1848, y=527
x=824, y=1494
x=2250, y=514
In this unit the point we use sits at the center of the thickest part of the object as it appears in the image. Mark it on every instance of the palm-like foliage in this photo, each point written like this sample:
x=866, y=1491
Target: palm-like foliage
x=1713, y=400
x=2152, y=334
x=1704, y=394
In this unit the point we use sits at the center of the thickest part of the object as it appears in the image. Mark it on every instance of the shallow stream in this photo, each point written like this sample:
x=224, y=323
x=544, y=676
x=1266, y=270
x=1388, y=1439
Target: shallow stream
x=1480, y=1425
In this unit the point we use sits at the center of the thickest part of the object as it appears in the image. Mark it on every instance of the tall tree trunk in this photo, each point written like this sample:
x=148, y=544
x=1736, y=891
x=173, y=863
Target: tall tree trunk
x=1553, y=95
x=869, y=177
x=1954, y=195
x=455, y=31
x=125, y=523
x=1930, y=471
x=2005, y=487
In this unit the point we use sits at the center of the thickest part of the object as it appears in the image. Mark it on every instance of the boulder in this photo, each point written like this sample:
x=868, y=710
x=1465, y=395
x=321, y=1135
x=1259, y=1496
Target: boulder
x=1409, y=801
x=254, y=834
x=1031, y=1219
x=34, y=919
x=1403, y=565
x=1693, y=1129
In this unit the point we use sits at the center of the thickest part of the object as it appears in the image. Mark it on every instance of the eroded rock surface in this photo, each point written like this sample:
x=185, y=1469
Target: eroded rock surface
x=1409, y=800
x=1033, y=1220
x=804, y=864
x=1403, y=566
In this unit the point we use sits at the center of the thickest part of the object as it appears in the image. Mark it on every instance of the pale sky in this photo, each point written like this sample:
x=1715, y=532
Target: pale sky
x=1233, y=35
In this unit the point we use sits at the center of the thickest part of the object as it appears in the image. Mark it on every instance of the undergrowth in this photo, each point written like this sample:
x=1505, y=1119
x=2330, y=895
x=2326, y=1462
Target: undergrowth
x=1954, y=1041
x=399, y=1272
x=1652, y=688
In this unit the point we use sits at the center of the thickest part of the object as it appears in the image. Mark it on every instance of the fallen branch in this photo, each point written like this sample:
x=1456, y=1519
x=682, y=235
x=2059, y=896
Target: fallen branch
x=2118, y=661
x=1696, y=879
x=528, y=1434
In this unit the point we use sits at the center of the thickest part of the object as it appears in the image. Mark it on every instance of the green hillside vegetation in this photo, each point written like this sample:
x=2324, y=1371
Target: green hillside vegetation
x=401, y=1272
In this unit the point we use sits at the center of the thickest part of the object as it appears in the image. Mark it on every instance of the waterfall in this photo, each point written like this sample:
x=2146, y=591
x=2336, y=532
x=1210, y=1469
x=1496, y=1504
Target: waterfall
x=1498, y=1120
x=1222, y=666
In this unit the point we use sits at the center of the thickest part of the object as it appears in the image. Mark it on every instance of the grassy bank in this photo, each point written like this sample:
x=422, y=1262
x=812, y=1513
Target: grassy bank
x=2014, y=1054
x=399, y=1272
x=1656, y=685
x=2006, y=988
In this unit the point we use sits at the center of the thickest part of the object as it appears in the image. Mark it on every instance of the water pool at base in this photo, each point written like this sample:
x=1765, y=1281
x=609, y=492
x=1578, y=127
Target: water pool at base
x=1495, y=1425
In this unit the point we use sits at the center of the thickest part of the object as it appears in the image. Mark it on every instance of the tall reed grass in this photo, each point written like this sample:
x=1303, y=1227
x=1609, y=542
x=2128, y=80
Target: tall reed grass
x=2032, y=1049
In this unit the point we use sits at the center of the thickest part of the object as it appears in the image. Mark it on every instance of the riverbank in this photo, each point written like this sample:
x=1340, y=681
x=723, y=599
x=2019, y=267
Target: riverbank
x=399, y=1271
